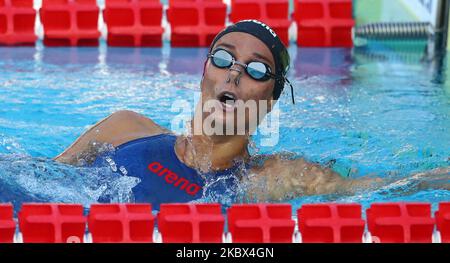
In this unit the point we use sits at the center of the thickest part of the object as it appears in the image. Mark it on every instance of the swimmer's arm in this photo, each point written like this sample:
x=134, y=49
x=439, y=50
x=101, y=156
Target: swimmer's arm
x=280, y=179
x=119, y=127
x=81, y=145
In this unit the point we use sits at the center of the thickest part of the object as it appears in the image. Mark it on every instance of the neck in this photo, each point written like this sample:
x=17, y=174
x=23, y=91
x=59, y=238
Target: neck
x=215, y=152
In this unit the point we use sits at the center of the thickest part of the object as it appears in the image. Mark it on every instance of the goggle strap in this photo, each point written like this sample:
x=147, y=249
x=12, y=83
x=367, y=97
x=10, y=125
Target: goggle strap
x=292, y=90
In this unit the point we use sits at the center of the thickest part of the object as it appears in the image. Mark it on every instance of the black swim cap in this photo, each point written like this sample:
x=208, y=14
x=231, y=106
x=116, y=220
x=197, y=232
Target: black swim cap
x=279, y=52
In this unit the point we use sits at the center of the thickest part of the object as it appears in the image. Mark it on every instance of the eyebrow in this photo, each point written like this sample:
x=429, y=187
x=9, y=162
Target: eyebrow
x=230, y=46
x=226, y=45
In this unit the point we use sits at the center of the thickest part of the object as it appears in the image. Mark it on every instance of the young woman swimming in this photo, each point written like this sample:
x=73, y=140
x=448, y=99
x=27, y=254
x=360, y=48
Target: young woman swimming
x=246, y=62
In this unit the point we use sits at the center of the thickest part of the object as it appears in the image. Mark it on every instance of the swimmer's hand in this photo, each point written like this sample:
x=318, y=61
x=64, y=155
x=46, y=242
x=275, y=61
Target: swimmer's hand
x=438, y=178
x=281, y=179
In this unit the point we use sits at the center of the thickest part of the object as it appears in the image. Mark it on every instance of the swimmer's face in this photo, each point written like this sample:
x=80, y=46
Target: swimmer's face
x=231, y=91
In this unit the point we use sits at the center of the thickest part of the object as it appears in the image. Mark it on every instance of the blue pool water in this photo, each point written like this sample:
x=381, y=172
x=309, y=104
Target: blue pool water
x=361, y=112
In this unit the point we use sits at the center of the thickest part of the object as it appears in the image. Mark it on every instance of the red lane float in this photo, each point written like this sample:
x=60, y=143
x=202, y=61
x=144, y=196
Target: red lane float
x=400, y=222
x=191, y=223
x=17, y=18
x=261, y=223
x=443, y=221
x=7, y=224
x=274, y=13
x=121, y=223
x=199, y=223
x=324, y=23
x=331, y=223
x=70, y=22
x=195, y=23
x=134, y=23
x=52, y=223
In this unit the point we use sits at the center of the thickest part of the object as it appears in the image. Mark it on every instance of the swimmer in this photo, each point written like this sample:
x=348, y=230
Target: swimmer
x=246, y=62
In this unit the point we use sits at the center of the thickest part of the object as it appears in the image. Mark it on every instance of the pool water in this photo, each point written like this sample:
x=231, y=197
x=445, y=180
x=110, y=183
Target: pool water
x=360, y=111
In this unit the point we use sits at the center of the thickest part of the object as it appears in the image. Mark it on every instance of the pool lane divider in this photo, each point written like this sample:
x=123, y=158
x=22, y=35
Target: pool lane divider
x=399, y=222
x=134, y=23
x=193, y=23
x=17, y=19
x=70, y=22
x=274, y=13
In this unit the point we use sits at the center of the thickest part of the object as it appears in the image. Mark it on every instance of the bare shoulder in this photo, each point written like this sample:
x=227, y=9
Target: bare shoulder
x=118, y=128
x=125, y=125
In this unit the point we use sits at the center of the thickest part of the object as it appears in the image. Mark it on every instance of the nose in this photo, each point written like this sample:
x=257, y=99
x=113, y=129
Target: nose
x=234, y=74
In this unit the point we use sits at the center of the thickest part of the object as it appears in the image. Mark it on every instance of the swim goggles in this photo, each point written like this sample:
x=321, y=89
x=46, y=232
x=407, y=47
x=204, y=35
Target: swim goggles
x=257, y=70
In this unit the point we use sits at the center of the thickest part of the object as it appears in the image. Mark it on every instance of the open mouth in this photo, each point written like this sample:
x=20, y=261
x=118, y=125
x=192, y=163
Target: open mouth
x=227, y=100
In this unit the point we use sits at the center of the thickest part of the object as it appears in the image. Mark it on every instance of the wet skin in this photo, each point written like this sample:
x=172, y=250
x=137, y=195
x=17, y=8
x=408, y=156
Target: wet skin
x=276, y=178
